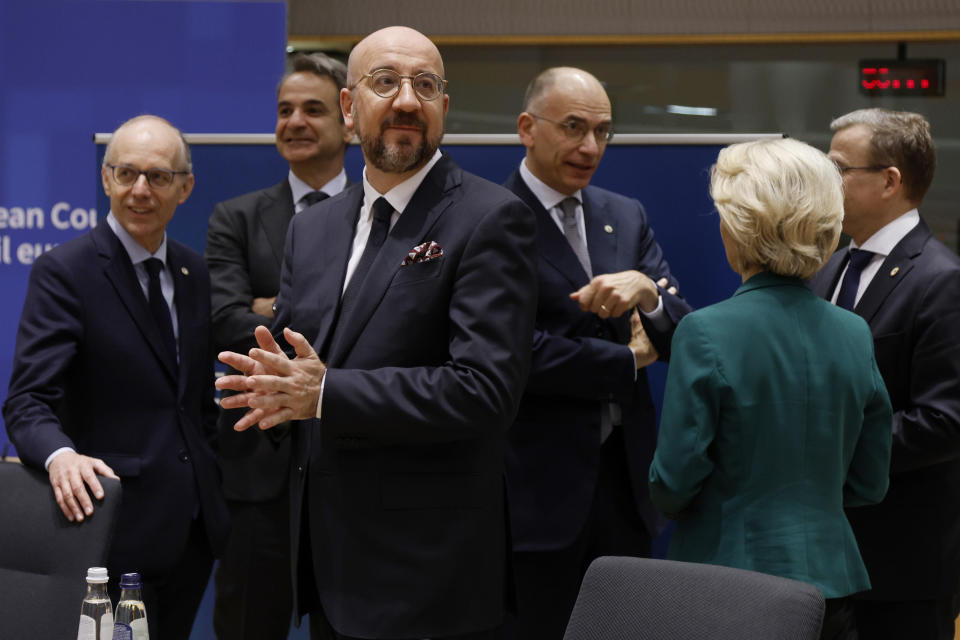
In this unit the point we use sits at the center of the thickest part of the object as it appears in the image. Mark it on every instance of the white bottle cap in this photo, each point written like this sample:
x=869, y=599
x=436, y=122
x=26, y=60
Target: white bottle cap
x=96, y=574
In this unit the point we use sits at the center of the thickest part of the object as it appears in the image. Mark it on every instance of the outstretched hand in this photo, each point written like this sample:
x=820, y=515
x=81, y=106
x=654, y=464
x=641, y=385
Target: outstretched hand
x=274, y=387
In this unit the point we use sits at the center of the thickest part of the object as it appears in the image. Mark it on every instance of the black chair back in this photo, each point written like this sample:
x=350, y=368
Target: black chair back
x=43, y=557
x=642, y=599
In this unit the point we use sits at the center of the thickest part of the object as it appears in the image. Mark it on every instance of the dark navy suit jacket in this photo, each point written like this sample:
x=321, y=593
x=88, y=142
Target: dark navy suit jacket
x=911, y=541
x=90, y=372
x=404, y=473
x=580, y=362
x=245, y=252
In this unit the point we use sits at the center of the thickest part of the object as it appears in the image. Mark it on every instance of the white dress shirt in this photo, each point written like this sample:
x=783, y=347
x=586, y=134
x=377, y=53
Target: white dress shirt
x=398, y=197
x=881, y=244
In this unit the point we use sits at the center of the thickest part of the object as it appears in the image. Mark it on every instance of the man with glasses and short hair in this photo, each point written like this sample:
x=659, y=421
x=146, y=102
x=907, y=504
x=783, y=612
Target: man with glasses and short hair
x=409, y=301
x=585, y=434
x=245, y=252
x=113, y=376
x=906, y=285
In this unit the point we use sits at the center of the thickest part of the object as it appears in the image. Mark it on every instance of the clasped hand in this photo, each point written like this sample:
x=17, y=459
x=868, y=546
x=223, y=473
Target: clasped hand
x=612, y=294
x=274, y=387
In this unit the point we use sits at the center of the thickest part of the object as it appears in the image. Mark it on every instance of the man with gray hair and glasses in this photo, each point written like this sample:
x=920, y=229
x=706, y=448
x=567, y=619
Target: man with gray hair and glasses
x=113, y=376
x=245, y=252
x=906, y=285
x=578, y=453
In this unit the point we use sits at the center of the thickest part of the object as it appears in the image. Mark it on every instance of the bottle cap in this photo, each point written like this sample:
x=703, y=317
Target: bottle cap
x=131, y=581
x=96, y=574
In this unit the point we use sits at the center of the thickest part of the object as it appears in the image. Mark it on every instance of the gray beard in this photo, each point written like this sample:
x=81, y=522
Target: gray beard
x=396, y=158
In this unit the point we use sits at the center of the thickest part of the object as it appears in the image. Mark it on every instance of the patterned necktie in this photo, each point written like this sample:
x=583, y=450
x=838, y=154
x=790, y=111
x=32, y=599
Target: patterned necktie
x=572, y=231
x=382, y=210
x=851, y=279
x=158, y=306
x=314, y=197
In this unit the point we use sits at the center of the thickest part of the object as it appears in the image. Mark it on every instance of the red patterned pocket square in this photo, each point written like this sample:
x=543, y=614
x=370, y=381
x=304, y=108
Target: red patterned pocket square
x=423, y=253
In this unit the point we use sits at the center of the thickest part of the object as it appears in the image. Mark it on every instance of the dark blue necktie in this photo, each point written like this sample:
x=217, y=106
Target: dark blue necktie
x=382, y=210
x=851, y=279
x=158, y=306
x=314, y=197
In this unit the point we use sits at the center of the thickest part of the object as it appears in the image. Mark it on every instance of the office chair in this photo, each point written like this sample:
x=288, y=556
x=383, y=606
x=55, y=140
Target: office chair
x=44, y=557
x=642, y=599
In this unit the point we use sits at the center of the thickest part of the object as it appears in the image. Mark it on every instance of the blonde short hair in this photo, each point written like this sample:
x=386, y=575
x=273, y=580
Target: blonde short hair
x=781, y=202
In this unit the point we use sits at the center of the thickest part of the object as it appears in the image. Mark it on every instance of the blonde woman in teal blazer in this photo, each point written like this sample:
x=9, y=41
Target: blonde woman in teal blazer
x=775, y=416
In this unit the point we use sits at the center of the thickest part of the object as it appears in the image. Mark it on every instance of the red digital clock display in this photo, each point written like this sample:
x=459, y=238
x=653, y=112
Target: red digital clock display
x=902, y=77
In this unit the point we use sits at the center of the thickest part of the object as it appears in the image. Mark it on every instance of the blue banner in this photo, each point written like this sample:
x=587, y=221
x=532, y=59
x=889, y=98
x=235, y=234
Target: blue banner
x=70, y=68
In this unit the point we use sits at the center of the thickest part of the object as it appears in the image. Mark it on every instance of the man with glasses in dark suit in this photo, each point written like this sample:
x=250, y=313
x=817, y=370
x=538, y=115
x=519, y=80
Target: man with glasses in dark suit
x=245, y=252
x=585, y=433
x=409, y=300
x=906, y=285
x=113, y=376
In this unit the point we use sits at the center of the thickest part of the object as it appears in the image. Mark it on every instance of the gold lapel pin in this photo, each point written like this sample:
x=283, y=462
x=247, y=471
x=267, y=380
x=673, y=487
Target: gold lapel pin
x=894, y=271
x=185, y=271
x=608, y=228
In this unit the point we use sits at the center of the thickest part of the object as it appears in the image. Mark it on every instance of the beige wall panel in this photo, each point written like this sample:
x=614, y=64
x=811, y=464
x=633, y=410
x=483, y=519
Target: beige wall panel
x=538, y=18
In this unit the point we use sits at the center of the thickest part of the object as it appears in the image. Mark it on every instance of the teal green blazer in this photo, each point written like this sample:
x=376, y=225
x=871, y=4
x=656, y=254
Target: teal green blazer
x=775, y=418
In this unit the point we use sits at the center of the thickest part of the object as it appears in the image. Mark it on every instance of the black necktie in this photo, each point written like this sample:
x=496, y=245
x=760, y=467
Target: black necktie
x=158, y=306
x=851, y=279
x=382, y=210
x=314, y=197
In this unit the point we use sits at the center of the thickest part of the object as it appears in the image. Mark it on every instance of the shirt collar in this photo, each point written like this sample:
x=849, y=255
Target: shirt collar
x=134, y=249
x=547, y=195
x=299, y=188
x=888, y=236
x=401, y=195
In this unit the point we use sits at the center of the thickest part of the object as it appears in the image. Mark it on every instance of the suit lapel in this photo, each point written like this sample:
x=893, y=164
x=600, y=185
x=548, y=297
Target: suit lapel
x=429, y=202
x=119, y=270
x=274, y=216
x=601, y=226
x=893, y=271
x=553, y=246
x=336, y=235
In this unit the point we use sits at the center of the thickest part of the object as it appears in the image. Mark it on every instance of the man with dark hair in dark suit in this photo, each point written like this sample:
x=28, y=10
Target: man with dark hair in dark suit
x=113, y=376
x=906, y=285
x=245, y=253
x=409, y=300
x=585, y=433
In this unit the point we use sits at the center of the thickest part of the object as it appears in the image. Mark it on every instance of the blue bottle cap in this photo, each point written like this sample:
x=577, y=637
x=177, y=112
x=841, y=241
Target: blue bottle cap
x=131, y=581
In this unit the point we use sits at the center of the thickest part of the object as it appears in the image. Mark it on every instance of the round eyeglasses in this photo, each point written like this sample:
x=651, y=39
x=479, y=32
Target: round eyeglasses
x=386, y=83
x=576, y=130
x=126, y=175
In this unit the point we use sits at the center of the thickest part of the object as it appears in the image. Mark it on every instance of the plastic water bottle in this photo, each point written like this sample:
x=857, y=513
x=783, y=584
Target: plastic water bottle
x=96, y=612
x=131, y=621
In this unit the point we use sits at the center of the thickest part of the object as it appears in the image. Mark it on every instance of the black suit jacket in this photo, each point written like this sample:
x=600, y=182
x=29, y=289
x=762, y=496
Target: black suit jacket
x=403, y=473
x=911, y=541
x=90, y=372
x=245, y=252
x=579, y=363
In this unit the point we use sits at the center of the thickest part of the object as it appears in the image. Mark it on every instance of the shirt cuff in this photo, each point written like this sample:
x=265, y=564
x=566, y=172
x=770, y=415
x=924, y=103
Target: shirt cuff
x=658, y=317
x=323, y=383
x=46, y=463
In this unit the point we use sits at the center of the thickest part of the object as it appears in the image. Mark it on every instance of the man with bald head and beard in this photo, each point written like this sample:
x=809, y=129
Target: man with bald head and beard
x=586, y=430
x=409, y=301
